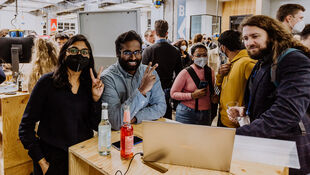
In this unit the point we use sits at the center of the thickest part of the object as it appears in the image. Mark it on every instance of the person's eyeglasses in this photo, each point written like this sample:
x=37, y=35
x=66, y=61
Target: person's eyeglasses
x=75, y=51
x=128, y=53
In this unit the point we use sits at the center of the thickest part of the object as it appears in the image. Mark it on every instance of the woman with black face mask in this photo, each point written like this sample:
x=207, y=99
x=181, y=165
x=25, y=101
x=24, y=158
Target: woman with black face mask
x=67, y=105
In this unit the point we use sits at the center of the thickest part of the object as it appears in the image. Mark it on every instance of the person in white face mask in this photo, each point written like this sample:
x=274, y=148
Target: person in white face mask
x=182, y=45
x=292, y=15
x=194, y=88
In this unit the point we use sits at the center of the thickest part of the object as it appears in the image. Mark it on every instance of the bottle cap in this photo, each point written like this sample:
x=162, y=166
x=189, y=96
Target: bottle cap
x=104, y=104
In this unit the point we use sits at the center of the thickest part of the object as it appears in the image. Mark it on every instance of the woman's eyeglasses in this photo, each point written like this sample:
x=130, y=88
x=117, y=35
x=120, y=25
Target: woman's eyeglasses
x=75, y=51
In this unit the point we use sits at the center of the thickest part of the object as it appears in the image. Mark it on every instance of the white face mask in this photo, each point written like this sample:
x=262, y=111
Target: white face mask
x=183, y=48
x=298, y=27
x=201, y=61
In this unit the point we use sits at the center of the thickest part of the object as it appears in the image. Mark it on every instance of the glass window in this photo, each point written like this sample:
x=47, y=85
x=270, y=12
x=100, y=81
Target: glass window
x=205, y=24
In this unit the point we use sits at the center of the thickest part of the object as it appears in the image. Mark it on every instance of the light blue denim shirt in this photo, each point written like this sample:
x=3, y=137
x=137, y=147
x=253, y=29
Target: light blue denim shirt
x=121, y=88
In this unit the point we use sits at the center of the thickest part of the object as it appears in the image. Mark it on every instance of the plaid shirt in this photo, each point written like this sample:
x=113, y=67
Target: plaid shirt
x=276, y=112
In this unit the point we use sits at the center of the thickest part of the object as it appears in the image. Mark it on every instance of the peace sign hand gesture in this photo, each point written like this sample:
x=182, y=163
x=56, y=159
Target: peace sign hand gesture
x=148, y=79
x=97, y=85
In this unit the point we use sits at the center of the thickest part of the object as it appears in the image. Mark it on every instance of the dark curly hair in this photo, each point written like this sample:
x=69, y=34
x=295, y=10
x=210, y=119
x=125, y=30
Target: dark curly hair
x=60, y=76
x=305, y=32
x=231, y=39
x=125, y=37
x=196, y=46
x=178, y=43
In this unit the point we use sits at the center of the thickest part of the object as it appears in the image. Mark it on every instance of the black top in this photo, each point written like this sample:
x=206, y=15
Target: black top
x=168, y=58
x=2, y=75
x=187, y=61
x=65, y=118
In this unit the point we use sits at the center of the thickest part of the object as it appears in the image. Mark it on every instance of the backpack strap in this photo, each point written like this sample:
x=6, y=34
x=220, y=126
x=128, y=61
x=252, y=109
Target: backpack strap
x=208, y=77
x=196, y=80
x=273, y=72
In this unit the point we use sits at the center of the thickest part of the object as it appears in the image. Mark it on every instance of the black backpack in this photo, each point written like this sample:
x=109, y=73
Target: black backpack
x=208, y=77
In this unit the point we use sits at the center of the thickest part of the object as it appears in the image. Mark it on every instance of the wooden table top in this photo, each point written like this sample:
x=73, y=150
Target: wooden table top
x=87, y=151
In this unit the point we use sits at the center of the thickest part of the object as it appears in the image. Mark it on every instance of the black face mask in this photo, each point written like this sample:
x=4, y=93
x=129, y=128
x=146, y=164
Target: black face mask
x=76, y=62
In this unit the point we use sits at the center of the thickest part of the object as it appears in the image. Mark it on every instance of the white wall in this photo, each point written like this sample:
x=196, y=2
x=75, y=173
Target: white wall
x=275, y=4
x=156, y=14
x=24, y=21
x=143, y=23
x=211, y=7
x=263, y=7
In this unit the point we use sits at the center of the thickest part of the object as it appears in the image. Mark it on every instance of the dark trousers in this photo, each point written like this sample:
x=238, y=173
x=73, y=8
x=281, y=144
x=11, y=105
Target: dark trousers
x=57, y=158
x=168, y=113
x=219, y=122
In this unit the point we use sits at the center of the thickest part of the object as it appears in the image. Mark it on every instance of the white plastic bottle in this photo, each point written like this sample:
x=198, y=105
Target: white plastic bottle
x=104, y=132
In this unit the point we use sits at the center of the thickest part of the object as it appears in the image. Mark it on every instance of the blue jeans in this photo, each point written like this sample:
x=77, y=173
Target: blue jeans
x=187, y=115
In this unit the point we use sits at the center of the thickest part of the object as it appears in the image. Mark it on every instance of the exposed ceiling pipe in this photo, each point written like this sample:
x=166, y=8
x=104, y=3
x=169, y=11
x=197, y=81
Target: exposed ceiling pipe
x=16, y=13
x=5, y=3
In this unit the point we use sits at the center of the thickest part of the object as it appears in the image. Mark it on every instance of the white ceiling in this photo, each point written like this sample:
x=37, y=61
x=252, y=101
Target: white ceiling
x=63, y=5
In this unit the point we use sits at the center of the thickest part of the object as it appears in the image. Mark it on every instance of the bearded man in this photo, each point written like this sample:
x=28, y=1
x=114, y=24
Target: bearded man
x=278, y=91
x=130, y=83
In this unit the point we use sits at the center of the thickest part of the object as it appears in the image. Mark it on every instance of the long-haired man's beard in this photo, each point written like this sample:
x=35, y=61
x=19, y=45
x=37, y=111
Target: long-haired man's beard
x=261, y=53
x=125, y=64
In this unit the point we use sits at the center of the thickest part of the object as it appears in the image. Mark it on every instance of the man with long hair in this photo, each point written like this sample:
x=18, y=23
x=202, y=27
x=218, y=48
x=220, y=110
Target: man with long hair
x=278, y=92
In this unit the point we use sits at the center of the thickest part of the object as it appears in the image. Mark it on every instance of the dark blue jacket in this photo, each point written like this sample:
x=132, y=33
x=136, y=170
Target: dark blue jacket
x=275, y=112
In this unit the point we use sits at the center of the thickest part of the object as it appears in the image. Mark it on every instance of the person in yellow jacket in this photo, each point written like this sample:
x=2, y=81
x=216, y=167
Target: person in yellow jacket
x=233, y=75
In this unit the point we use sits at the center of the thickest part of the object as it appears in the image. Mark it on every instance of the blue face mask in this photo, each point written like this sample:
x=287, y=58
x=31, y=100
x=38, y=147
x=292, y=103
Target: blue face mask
x=201, y=61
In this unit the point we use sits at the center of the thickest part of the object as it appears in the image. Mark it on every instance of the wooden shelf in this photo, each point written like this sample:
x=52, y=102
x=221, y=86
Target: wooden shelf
x=14, y=159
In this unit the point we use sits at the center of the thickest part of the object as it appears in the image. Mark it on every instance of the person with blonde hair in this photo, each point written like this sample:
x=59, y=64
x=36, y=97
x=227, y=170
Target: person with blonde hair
x=44, y=60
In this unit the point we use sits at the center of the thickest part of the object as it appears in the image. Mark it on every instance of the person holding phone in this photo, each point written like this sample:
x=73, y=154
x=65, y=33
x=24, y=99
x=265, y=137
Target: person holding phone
x=193, y=87
x=67, y=103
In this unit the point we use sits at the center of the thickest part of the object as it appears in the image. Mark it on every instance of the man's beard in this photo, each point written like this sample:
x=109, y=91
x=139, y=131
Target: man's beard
x=261, y=53
x=125, y=64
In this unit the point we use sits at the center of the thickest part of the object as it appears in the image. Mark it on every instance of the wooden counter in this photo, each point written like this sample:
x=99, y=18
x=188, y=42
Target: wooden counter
x=85, y=160
x=14, y=159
